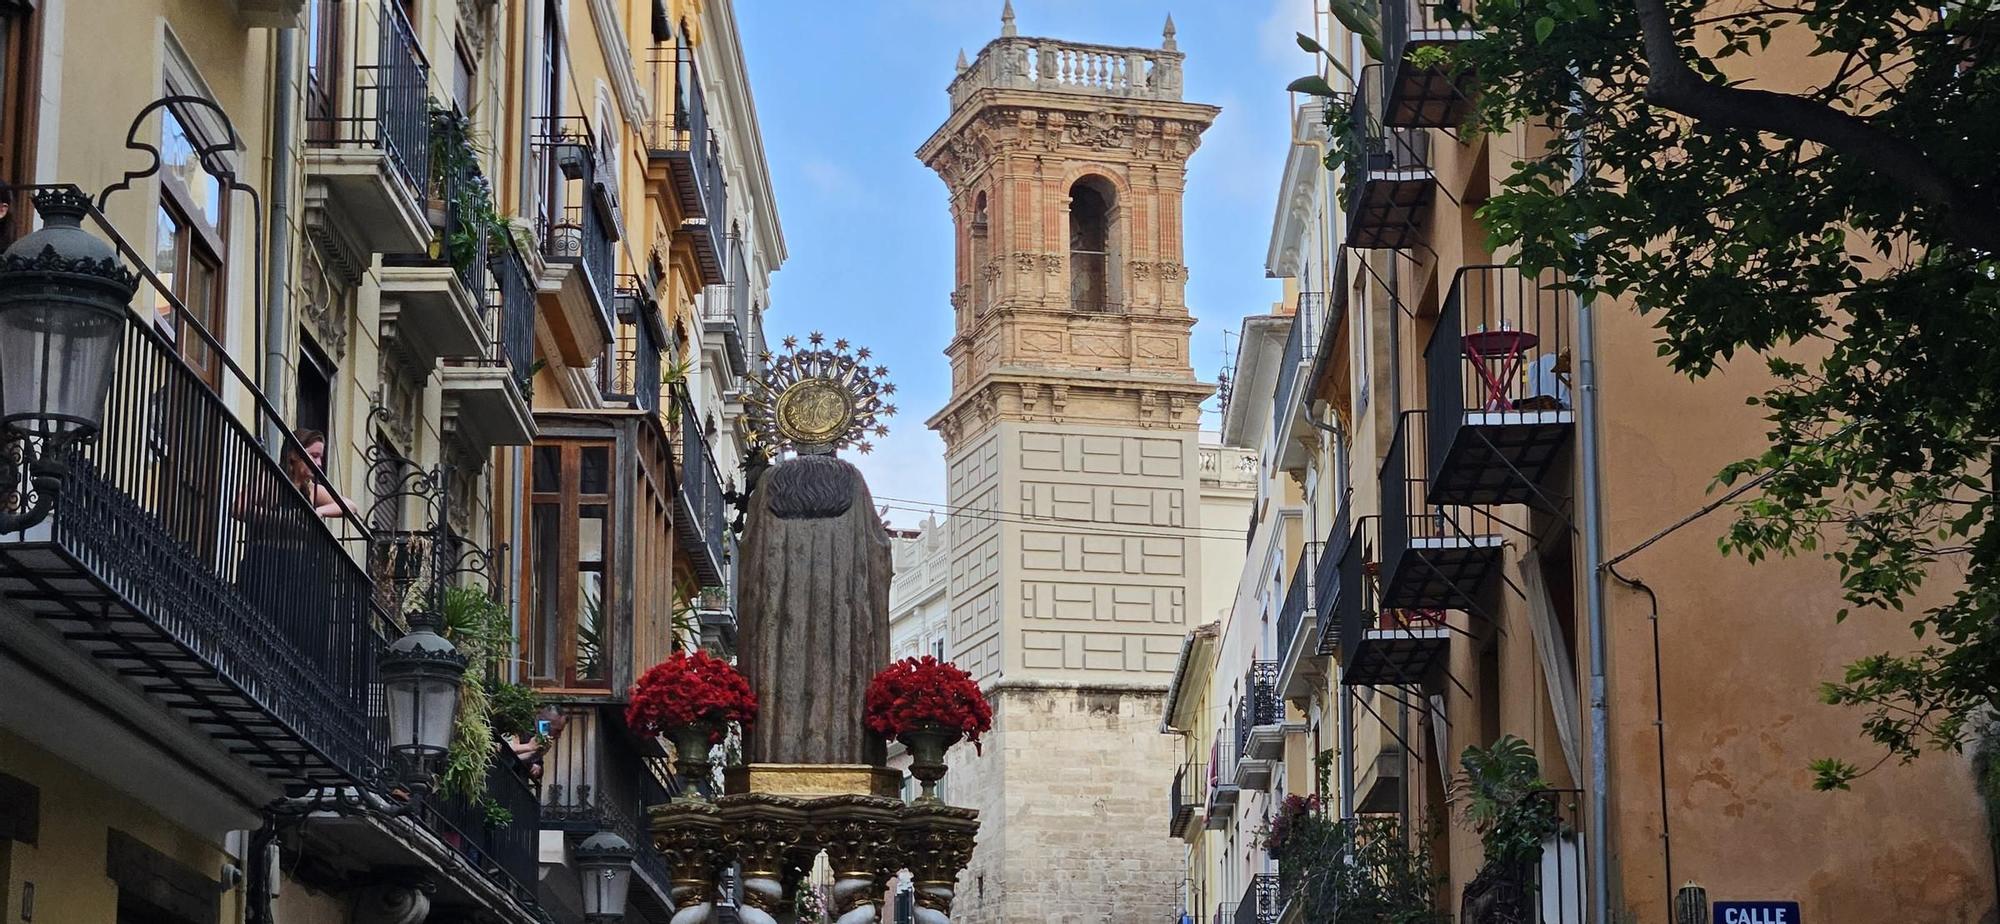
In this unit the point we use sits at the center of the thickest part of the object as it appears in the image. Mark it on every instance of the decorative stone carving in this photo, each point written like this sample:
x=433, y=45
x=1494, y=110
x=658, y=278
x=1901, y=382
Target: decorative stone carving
x=1059, y=400
x=1025, y=262
x=1031, y=394
x=1052, y=264
x=1149, y=402
x=327, y=306
x=1141, y=270
x=1176, y=407
x=1100, y=130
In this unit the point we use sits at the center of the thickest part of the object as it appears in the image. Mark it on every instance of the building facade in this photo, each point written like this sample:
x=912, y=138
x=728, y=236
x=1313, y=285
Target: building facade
x=434, y=296
x=1425, y=426
x=1072, y=448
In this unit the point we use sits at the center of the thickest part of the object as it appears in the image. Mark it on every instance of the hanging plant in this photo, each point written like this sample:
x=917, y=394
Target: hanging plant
x=478, y=625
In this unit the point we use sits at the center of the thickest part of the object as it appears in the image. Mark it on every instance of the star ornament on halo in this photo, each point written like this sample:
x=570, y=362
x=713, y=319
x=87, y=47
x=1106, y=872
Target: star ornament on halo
x=813, y=399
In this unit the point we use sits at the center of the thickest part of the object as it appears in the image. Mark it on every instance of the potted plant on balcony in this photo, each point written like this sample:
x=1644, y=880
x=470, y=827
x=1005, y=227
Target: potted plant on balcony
x=1502, y=797
x=928, y=705
x=461, y=200
x=691, y=698
x=477, y=625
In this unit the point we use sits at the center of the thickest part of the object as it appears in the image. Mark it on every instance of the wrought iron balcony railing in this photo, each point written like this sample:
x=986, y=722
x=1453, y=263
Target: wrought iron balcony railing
x=688, y=142
x=388, y=105
x=1259, y=704
x=577, y=222
x=1387, y=184
x=635, y=365
x=500, y=834
x=511, y=312
x=1435, y=556
x=725, y=308
x=183, y=551
x=1184, y=799
x=1301, y=348
x=1327, y=584
x=1498, y=370
x=704, y=511
x=1422, y=94
x=1259, y=904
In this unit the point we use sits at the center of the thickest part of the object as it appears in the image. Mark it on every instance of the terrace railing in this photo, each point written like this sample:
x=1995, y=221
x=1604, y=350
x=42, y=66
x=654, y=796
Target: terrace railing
x=388, y=104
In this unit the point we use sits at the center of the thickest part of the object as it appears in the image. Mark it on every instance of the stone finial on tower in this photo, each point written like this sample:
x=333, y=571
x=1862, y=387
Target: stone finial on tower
x=961, y=61
x=1007, y=29
x=1168, y=35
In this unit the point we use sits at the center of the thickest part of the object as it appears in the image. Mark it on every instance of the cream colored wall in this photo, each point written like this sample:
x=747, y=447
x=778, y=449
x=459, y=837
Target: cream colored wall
x=66, y=866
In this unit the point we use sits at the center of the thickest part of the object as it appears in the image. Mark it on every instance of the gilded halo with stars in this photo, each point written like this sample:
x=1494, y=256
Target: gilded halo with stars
x=816, y=399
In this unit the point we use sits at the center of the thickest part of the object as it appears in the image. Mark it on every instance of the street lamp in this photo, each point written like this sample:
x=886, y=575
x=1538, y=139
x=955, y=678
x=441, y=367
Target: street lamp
x=64, y=296
x=420, y=676
x=604, y=863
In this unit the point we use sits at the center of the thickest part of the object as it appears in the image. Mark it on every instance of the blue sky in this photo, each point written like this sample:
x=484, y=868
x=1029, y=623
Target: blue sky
x=846, y=92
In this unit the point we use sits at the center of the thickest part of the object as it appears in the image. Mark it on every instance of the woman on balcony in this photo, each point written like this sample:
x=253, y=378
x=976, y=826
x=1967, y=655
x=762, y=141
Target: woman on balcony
x=278, y=570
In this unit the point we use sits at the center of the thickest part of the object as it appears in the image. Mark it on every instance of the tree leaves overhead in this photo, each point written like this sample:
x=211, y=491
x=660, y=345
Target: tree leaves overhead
x=1840, y=229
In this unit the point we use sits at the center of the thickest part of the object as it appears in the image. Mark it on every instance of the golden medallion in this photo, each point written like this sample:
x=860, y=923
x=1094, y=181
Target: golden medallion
x=814, y=411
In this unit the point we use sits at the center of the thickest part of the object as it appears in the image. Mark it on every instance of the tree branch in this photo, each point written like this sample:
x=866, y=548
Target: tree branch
x=1971, y=218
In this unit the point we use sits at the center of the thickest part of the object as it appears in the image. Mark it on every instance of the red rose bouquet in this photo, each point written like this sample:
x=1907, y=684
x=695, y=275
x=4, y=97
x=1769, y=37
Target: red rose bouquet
x=915, y=692
x=687, y=690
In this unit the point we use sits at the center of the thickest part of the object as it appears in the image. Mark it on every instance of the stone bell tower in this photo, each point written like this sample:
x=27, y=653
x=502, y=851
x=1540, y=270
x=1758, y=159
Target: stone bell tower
x=1071, y=441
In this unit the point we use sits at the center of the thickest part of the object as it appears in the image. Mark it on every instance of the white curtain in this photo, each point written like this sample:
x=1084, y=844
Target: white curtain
x=1558, y=674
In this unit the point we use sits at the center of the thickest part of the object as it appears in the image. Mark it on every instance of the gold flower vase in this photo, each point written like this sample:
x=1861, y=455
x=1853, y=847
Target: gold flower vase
x=927, y=744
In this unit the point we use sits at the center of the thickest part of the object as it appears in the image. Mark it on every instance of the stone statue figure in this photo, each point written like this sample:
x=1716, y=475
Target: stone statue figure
x=815, y=612
x=815, y=565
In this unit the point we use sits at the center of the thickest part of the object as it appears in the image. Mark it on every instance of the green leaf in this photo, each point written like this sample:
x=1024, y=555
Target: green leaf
x=1313, y=85
x=1308, y=43
x=1544, y=27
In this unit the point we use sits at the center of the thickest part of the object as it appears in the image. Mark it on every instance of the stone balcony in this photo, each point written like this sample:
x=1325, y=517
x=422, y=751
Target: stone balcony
x=1022, y=63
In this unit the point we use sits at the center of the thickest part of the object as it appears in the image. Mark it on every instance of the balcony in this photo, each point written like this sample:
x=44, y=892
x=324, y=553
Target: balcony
x=599, y=776
x=1260, y=729
x=685, y=145
x=1183, y=804
x=703, y=511
x=715, y=612
x=434, y=304
x=1388, y=185
x=575, y=230
x=502, y=845
x=1259, y=904
x=367, y=157
x=1380, y=645
x=1497, y=366
x=1222, y=788
x=1434, y=556
x=487, y=398
x=634, y=370
x=725, y=310
x=1327, y=587
x=1293, y=393
x=1422, y=96
x=179, y=558
x=1299, y=668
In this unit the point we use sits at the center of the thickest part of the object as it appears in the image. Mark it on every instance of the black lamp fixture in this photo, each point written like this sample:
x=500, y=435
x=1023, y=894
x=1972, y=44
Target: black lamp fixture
x=420, y=677
x=64, y=296
x=604, y=865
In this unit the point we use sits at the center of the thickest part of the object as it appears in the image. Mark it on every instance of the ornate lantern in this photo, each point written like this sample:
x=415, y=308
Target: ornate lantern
x=604, y=864
x=64, y=295
x=420, y=677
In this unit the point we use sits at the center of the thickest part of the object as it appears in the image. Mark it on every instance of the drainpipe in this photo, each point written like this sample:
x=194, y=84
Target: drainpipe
x=277, y=325
x=1346, y=693
x=1588, y=425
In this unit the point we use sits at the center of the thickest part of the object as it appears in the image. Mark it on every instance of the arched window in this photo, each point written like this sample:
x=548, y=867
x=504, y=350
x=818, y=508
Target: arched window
x=1092, y=245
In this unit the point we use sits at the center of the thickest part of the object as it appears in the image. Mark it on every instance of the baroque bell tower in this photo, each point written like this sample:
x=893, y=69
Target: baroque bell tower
x=1071, y=439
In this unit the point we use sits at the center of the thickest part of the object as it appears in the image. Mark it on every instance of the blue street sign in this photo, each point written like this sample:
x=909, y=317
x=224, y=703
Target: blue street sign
x=1757, y=913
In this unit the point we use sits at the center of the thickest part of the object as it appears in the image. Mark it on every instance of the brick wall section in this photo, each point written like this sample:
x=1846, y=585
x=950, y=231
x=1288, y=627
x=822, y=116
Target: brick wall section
x=1072, y=794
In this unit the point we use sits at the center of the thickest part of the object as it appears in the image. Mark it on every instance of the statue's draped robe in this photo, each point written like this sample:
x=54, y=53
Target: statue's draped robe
x=814, y=592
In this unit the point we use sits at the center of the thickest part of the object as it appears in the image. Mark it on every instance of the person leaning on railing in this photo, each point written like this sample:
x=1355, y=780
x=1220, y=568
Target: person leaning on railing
x=274, y=554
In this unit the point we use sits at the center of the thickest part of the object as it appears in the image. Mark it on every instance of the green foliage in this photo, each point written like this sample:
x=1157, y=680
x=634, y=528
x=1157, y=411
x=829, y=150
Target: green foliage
x=512, y=708
x=1848, y=243
x=1359, y=871
x=497, y=815
x=455, y=170
x=1501, y=796
x=479, y=627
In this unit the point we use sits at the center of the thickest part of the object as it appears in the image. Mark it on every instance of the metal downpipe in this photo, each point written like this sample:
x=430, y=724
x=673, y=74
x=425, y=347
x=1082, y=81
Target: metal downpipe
x=278, y=256
x=1588, y=420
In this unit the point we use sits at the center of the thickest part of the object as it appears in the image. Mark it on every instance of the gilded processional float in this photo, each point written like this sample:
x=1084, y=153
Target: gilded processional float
x=813, y=701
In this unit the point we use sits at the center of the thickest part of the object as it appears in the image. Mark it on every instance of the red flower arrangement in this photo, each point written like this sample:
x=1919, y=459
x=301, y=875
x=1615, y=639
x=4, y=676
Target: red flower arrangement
x=915, y=692
x=690, y=689
x=1295, y=807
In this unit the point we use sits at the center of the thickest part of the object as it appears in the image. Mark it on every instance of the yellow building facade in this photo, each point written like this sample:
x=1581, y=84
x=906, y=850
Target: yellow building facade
x=475, y=284
x=1420, y=402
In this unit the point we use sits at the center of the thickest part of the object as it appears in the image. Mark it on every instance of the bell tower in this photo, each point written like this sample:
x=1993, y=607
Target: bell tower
x=1071, y=439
